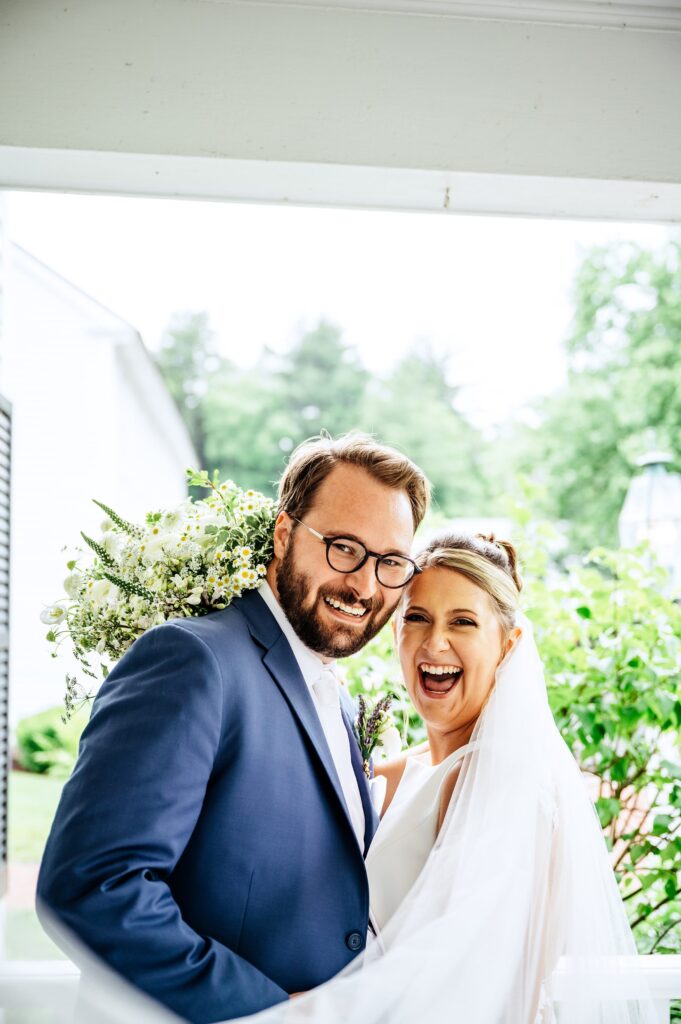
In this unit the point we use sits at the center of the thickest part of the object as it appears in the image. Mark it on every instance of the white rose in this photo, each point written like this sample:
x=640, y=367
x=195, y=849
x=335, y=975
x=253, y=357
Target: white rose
x=111, y=542
x=72, y=584
x=100, y=592
x=153, y=550
x=391, y=743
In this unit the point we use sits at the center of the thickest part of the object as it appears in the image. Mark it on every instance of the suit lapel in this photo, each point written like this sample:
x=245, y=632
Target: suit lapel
x=283, y=667
x=280, y=662
x=370, y=817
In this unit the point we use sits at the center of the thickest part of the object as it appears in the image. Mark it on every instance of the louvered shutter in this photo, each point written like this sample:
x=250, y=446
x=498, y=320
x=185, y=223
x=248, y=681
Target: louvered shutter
x=5, y=457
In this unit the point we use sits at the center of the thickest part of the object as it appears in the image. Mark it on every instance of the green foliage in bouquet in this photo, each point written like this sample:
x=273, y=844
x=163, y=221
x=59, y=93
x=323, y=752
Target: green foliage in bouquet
x=182, y=562
x=48, y=745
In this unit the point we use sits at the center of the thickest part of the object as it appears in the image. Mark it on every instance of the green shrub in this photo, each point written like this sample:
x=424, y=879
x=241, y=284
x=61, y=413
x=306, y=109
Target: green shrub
x=611, y=645
x=48, y=745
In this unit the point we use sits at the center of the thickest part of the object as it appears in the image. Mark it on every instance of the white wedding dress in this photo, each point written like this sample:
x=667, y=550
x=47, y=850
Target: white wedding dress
x=406, y=834
x=473, y=921
x=405, y=839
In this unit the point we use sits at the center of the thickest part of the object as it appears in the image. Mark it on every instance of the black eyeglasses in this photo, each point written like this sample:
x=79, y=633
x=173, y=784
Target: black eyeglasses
x=345, y=554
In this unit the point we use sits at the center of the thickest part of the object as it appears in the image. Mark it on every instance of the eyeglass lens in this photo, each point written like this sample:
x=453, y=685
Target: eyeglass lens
x=345, y=554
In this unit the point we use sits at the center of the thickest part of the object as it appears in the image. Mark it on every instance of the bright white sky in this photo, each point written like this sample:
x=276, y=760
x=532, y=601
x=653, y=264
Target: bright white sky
x=491, y=292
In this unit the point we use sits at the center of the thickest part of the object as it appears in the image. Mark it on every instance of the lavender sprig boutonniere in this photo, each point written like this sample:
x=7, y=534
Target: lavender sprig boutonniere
x=372, y=726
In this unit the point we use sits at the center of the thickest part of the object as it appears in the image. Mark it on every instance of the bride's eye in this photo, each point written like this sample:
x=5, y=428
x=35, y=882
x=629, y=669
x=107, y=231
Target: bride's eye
x=414, y=617
x=464, y=622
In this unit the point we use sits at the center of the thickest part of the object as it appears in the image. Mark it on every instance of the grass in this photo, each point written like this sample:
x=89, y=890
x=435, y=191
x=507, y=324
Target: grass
x=33, y=801
x=25, y=938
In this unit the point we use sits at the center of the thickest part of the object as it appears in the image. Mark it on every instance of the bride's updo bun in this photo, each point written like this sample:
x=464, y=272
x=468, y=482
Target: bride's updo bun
x=489, y=563
x=507, y=555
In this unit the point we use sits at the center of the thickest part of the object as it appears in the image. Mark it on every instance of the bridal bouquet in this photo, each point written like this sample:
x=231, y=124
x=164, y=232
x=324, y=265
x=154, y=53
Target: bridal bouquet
x=181, y=562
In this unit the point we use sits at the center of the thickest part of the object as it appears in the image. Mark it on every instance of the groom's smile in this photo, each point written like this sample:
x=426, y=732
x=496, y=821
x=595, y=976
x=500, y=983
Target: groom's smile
x=345, y=609
x=336, y=611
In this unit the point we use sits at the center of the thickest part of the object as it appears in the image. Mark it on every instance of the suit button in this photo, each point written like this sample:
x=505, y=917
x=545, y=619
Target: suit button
x=354, y=941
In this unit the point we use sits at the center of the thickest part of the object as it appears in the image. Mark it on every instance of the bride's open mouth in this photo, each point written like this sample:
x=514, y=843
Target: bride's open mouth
x=439, y=680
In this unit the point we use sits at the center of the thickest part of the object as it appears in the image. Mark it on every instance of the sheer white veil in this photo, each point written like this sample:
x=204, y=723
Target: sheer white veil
x=519, y=883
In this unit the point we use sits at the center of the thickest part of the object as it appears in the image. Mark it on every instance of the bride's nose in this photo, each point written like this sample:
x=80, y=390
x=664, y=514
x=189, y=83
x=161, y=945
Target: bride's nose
x=436, y=641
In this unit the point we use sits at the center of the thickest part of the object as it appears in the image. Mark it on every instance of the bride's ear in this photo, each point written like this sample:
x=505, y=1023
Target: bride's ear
x=512, y=639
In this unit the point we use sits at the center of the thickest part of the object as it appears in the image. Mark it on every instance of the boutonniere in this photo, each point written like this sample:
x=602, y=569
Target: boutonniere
x=374, y=729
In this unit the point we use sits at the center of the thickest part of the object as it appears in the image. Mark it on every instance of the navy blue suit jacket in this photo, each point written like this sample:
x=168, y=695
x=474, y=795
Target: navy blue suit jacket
x=202, y=846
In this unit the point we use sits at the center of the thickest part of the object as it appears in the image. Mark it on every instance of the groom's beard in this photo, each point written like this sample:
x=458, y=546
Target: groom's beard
x=331, y=641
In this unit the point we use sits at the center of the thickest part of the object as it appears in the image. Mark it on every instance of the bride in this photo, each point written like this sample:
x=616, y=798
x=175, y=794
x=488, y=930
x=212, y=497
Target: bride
x=492, y=897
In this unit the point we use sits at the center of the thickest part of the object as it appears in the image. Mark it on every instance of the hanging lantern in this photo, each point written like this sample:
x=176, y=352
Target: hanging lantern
x=652, y=512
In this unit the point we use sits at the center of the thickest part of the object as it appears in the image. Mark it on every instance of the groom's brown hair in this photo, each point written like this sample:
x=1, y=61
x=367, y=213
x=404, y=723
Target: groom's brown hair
x=313, y=460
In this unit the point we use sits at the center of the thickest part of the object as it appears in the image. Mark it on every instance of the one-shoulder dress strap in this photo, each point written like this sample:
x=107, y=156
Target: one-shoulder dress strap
x=460, y=752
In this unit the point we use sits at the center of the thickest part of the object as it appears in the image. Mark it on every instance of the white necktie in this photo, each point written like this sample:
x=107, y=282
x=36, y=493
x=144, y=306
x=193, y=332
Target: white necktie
x=330, y=715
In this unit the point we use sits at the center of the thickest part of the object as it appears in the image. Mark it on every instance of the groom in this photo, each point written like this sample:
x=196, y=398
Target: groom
x=209, y=844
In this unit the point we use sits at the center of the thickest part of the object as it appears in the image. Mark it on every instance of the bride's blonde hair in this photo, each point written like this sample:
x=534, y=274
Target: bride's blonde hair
x=491, y=564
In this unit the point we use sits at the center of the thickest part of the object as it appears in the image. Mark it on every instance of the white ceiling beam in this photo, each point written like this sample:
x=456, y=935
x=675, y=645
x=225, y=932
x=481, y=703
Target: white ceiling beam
x=378, y=188
x=650, y=16
x=274, y=102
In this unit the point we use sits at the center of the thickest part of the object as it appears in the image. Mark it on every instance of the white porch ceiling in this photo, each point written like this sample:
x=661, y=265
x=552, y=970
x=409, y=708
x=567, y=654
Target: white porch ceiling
x=642, y=15
x=393, y=104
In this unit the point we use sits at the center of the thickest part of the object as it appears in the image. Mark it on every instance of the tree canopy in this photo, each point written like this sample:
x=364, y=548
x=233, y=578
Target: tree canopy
x=623, y=392
x=245, y=421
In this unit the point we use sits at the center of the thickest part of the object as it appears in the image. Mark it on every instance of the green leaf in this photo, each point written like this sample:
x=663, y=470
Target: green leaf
x=99, y=551
x=584, y=611
x=71, y=565
x=51, y=636
x=128, y=587
x=122, y=524
x=661, y=824
x=608, y=808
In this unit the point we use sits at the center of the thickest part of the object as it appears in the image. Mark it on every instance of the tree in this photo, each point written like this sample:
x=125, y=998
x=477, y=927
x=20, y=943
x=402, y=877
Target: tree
x=413, y=409
x=187, y=359
x=623, y=390
x=248, y=432
x=245, y=422
x=254, y=418
x=321, y=383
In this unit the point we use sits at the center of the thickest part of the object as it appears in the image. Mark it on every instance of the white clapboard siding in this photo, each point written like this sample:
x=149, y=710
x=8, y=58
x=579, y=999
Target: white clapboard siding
x=5, y=458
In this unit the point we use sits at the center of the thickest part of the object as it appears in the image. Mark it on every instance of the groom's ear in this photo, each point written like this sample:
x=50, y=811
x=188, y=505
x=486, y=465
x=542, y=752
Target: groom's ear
x=282, y=532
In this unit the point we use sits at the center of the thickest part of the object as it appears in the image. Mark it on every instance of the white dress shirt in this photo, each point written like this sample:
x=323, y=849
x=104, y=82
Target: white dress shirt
x=322, y=682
